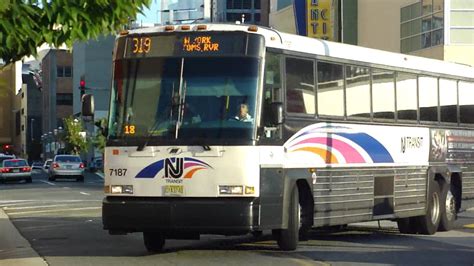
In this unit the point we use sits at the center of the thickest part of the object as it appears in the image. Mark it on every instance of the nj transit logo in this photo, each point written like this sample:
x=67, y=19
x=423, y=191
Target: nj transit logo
x=174, y=168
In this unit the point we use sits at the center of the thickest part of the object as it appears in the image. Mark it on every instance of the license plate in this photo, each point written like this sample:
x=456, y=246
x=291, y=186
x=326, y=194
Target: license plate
x=16, y=170
x=174, y=190
x=68, y=166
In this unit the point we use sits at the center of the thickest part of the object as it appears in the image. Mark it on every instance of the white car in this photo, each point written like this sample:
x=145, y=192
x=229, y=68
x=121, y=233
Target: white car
x=46, y=165
x=67, y=166
x=14, y=170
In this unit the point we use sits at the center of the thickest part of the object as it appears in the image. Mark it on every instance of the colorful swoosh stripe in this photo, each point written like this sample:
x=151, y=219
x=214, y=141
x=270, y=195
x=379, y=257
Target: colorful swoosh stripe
x=190, y=167
x=337, y=145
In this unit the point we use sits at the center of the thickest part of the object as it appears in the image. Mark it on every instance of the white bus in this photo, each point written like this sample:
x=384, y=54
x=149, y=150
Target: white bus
x=334, y=134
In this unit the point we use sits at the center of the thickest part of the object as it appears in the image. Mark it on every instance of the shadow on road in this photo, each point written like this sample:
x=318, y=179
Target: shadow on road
x=83, y=236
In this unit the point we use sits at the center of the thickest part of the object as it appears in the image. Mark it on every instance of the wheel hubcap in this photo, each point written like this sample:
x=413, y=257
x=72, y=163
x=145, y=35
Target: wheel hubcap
x=450, y=206
x=435, y=208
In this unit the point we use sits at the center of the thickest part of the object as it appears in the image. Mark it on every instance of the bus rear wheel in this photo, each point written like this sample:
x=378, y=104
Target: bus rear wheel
x=154, y=242
x=287, y=239
x=429, y=223
x=448, y=208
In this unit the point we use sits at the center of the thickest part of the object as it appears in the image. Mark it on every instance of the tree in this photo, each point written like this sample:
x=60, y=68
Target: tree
x=76, y=142
x=27, y=24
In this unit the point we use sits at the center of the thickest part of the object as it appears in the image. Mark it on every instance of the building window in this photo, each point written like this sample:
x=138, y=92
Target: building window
x=64, y=71
x=64, y=99
x=233, y=17
x=421, y=25
x=462, y=22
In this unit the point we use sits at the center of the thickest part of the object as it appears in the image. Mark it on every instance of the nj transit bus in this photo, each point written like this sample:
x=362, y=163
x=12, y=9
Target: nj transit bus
x=234, y=129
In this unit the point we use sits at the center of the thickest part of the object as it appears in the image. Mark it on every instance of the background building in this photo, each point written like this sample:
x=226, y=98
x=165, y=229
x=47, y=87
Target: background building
x=93, y=64
x=439, y=29
x=10, y=84
x=56, y=69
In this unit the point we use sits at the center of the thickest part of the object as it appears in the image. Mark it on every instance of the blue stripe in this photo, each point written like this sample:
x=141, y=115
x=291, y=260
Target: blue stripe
x=151, y=170
x=373, y=147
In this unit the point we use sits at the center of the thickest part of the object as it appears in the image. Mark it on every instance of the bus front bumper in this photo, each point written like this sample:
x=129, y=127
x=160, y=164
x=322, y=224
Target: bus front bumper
x=226, y=216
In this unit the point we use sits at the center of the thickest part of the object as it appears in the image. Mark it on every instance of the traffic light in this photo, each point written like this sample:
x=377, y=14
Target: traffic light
x=82, y=86
x=7, y=148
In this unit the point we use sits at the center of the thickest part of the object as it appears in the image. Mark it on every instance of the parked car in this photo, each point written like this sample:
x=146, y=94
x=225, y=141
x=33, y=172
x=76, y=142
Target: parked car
x=97, y=164
x=46, y=165
x=66, y=166
x=15, y=170
x=37, y=166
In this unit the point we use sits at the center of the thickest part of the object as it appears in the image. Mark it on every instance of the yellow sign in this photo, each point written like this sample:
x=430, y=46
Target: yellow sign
x=320, y=20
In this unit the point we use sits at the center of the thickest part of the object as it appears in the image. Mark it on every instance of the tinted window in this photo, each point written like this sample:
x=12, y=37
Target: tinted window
x=358, y=91
x=428, y=93
x=300, y=86
x=406, y=96
x=466, y=102
x=383, y=94
x=448, y=98
x=14, y=163
x=330, y=89
x=68, y=159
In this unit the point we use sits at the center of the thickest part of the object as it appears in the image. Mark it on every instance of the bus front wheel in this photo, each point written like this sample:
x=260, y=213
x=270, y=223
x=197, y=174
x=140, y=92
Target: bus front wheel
x=154, y=242
x=287, y=239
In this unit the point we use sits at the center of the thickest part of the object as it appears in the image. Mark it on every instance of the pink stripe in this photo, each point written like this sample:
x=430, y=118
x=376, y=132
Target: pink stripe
x=186, y=165
x=350, y=154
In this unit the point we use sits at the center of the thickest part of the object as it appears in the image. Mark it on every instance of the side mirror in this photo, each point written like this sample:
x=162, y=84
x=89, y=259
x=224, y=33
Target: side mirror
x=276, y=113
x=103, y=129
x=88, y=105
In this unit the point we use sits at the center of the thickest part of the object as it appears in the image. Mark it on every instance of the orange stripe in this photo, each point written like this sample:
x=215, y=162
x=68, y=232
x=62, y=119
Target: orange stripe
x=191, y=173
x=326, y=155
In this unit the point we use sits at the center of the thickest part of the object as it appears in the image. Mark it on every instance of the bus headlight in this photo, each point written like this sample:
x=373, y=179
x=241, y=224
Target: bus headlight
x=231, y=190
x=121, y=189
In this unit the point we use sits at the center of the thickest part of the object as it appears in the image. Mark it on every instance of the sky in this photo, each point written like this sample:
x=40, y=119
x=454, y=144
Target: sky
x=150, y=15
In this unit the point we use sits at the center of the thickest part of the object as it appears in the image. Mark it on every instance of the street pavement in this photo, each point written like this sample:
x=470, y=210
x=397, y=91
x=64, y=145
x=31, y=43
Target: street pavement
x=60, y=224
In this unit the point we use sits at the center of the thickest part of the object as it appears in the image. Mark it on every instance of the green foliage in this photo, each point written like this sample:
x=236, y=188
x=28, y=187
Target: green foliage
x=27, y=24
x=75, y=142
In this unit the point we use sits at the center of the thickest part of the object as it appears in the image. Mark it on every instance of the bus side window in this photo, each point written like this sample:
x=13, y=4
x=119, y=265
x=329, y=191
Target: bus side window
x=272, y=93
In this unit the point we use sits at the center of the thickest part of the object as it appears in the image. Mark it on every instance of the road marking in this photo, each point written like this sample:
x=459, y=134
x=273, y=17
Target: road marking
x=84, y=193
x=469, y=226
x=101, y=175
x=58, y=210
x=35, y=207
x=49, y=183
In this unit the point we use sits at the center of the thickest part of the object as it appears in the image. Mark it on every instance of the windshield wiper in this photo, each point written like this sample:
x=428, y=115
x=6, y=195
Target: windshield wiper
x=181, y=105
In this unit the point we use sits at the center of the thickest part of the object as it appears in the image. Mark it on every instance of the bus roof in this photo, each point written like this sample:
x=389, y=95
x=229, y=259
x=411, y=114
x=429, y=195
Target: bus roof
x=341, y=51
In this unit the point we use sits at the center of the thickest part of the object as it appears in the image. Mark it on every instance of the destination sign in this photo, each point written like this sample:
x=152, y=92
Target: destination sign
x=189, y=44
x=200, y=44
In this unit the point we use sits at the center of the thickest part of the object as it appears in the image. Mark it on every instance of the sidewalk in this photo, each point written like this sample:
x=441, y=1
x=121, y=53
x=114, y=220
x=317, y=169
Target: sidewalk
x=14, y=249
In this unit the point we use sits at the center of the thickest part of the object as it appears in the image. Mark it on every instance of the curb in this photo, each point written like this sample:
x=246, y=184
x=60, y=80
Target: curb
x=14, y=248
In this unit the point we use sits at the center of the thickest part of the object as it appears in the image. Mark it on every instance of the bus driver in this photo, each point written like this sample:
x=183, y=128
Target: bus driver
x=243, y=114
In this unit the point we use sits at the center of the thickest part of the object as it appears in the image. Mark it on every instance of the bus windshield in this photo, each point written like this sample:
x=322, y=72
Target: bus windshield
x=184, y=99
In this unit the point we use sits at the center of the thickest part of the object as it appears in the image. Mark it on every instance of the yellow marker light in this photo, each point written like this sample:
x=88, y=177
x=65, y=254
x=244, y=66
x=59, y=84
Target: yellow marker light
x=249, y=190
x=107, y=189
x=202, y=27
x=185, y=27
x=169, y=28
x=312, y=170
x=253, y=28
x=231, y=190
x=123, y=32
